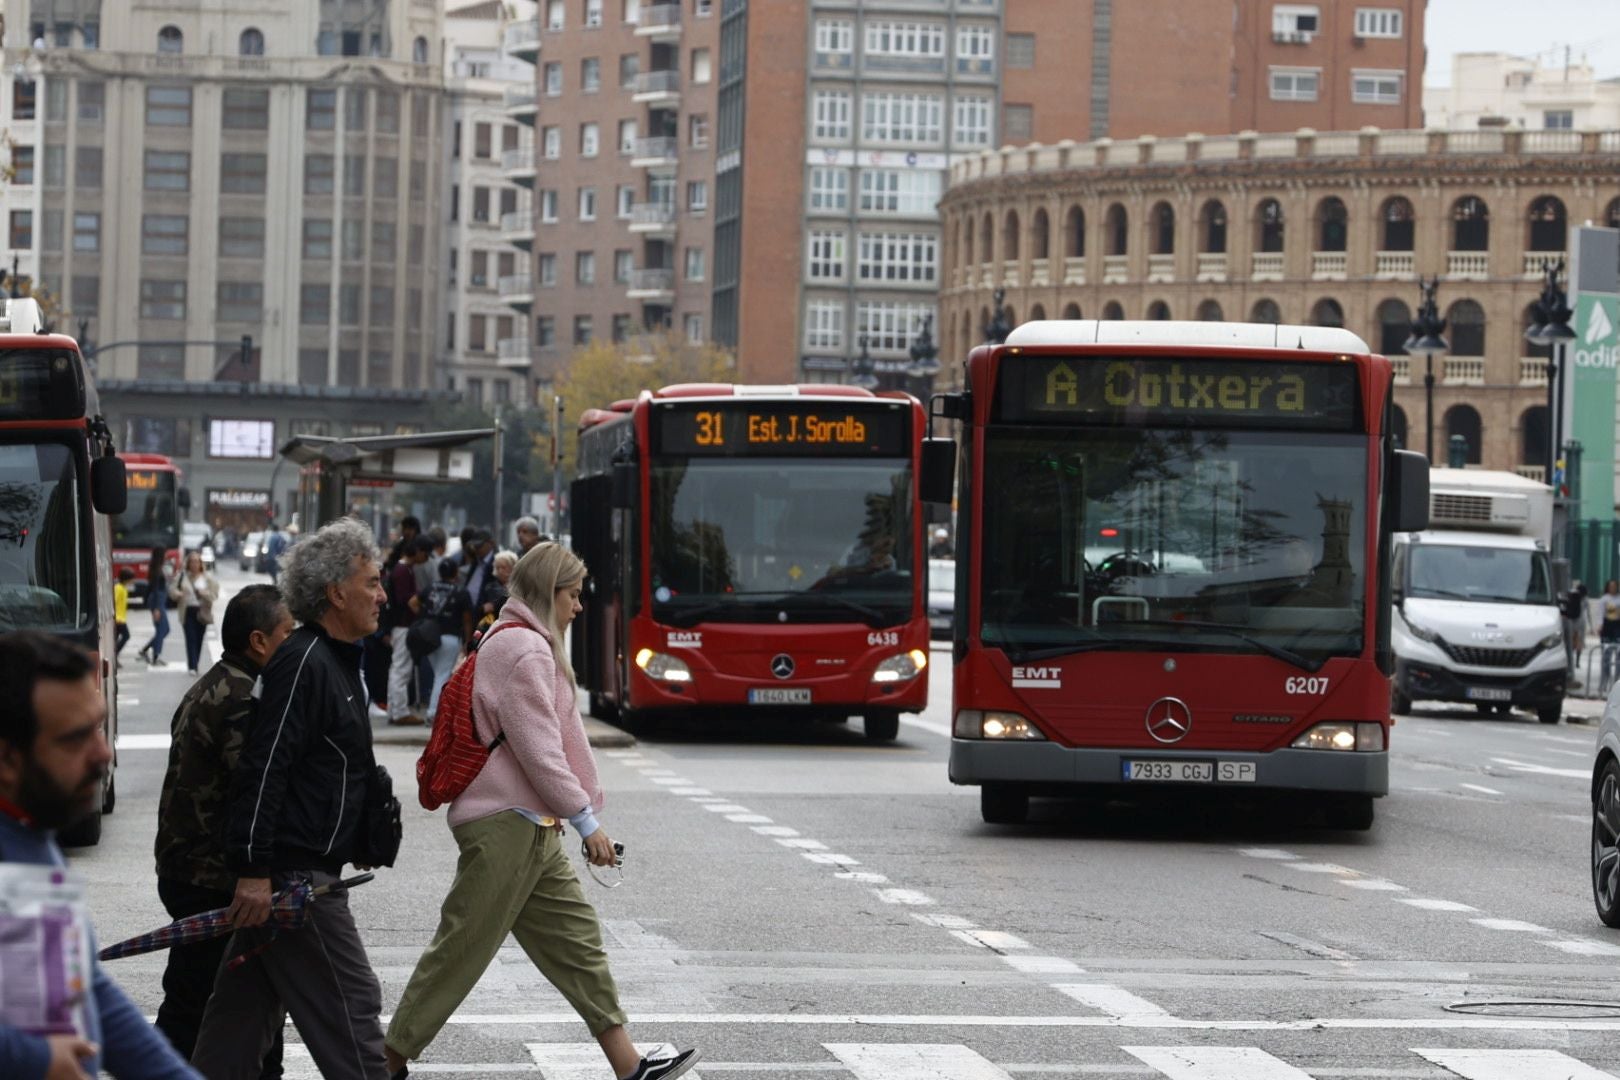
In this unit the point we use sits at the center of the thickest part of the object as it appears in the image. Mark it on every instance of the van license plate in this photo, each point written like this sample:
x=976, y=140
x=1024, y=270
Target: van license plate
x=779, y=695
x=1489, y=693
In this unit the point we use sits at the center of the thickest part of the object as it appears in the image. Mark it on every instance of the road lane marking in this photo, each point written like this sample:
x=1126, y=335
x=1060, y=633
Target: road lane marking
x=862, y=877
x=1113, y=1001
x=1511, y=925
x=143, y=742
x=1480, y=788
x=802, y=842
x=690, y=791
x=1373, y=885
x=995, y=940
x=775, y=830
x=1583, y=947
x=826, y=858
x=725, y=807
x=902, y=896
x=1513, y=1065
x=1319, y=868
x=914, y=1061
x=944, y=922
x=1429, y=904
x=1215, y=1063
x=1042, y=965
x=1542, y=770
x=749, y=819
x=1306, y=945
x=1266, y=853
x=933, y=727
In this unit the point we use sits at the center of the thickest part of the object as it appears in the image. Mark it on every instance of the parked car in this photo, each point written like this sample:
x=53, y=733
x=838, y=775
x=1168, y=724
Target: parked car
x=941, y=597
x=1606, y=814
x=195, y=536
x=248, y=558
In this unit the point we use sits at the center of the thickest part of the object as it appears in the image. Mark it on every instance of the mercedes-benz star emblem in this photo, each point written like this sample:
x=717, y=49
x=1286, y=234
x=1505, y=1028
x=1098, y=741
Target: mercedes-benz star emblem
x=1169, y=720
x=782, y=666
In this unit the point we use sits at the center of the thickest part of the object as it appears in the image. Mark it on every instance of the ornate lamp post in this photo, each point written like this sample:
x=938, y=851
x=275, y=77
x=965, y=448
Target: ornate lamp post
x=865, y=370
x=1551, y=314
x=924, y=356
x=996, y=330
x=1426, y=342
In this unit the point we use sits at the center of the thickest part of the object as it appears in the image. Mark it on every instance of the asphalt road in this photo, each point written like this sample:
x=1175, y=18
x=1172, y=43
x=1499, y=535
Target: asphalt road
x=800, y=903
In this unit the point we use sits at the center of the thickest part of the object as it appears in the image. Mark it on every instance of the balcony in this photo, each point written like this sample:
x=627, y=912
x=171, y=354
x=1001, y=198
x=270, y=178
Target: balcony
x=1074, y=270
x=655, y=219
x=517, y=229
x=1468, y=265
x=659, y=88
x=1040, y=273
x=517, y=290
x=1161, y=267
x=658, y=152
x=1536, y=262
x=518, y=166
x=656, y=285
x=513, y=352
x=987, y=275
x=522, y=40
x=1266, y=266
x=1212, y=266
x=1532, y=371
x=1464, y=371
x=522, y=104
x=661, y=22
x=1329, y=265
x=1403, y=369
x=1394, y=265
x=1009, y=273
x=1116, y=269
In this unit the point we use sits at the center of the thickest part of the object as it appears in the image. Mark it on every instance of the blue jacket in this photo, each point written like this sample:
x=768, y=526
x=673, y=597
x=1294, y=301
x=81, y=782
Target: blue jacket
x=131, y=1049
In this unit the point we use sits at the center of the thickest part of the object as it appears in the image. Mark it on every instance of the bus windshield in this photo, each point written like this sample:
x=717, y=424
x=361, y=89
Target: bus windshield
x=1483, y=574
x=152, y=519
x=1181, y=539
x=747, y=539
x=42, y=585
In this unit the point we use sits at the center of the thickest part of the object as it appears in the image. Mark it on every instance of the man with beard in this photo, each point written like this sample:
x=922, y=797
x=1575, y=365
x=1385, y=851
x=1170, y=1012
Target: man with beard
x=53, y=756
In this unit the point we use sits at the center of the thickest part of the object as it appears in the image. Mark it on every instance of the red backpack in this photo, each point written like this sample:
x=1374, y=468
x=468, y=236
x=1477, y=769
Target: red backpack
x=455, y=754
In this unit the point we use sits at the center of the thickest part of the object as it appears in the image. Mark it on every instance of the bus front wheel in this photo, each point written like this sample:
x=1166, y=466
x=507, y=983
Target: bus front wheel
x=1353, y=812
x=882, y=726
x=1003, y=804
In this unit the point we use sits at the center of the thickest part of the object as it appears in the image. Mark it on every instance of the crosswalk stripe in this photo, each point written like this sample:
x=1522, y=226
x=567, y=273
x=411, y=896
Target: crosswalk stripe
x=1115, y=1001
x=584, y=1061
x=914, y=1061
x=1215, y=1063
x=1513, y=1065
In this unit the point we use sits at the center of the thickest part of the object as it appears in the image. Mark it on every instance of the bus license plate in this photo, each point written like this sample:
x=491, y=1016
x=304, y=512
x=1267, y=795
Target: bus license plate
x=1191, y=772
x=780, y=695
x=1489, y=693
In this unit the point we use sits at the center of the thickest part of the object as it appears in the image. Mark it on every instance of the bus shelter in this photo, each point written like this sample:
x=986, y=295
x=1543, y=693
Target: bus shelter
x=328, y=466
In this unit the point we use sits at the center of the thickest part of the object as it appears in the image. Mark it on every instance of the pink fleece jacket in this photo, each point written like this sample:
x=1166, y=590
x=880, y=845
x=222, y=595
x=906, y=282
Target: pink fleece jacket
x=546, y=764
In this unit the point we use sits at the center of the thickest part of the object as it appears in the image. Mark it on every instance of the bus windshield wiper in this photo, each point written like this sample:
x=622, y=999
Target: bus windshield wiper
x=870, y=615
x=1287, y=656
x=1024, y=656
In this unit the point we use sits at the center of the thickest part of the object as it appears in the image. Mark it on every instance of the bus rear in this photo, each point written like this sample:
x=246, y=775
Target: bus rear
x=151, y=520
x=766, y=556
x=1171, y=564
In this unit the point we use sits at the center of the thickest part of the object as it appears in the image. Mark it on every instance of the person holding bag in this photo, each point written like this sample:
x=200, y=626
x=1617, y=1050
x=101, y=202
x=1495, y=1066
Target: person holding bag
x=513, y=876
x=194, y=595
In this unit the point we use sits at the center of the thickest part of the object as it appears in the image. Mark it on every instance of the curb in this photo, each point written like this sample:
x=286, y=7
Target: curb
x=601, y=735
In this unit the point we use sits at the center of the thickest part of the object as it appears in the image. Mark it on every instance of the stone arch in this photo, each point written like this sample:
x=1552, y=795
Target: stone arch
x=1470, y=224
x=1212, y=228
x=1332, y=224
x=1162, y=229
x=250, y=42
x=1116, y=228
x=1037, y=312
x=987, y=238
x=1464, y=420
x=1040, y=230
x=1265, y=310
x=1611, y=216
x=1112, y=310
x=1071, y=310
x=1074, y=233
x=1465, y=322
x=1534, y=436
x=1269, y=232
x=966, y=251
x=1547, y=225
x=1158, y=311
x=1397, y=223
x=1009, y=236
x=1394, y=320
x=1210, y=311
x=170, y=40
x=1327, y=312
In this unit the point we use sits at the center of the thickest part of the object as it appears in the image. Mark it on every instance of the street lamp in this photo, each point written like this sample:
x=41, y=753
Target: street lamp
x=1426, y=342
x=996, y=330
x=924, y=356
x=1550, y=327
x=865, y=375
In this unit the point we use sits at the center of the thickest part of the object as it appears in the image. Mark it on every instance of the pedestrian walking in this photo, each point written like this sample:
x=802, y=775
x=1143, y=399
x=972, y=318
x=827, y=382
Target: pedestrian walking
x=528, y=534
x=53, y=757
x=275, y=546
x=446, y=610
x=206, y=737
x=194, y=595
x=1609, y=634
x=403, y=605
x=296, y=815
x=157, y=602
x=121, y=611
x=513, y=876
x=1573, y=609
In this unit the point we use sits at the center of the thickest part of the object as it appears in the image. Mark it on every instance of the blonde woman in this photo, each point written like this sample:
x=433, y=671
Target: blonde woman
x=194, y=595
x=513, y=875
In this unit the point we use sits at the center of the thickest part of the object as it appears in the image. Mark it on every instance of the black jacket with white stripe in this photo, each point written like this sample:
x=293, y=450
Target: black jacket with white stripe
x=300, y=783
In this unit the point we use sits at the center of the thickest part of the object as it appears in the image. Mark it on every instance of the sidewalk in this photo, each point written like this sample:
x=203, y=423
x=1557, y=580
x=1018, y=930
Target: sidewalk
x=602, y=735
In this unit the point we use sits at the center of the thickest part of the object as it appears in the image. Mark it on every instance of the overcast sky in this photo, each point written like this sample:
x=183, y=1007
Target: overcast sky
x=1591, y=27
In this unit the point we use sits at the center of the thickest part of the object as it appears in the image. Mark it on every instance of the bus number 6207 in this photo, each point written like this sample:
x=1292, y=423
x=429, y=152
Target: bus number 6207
x=1300, y=684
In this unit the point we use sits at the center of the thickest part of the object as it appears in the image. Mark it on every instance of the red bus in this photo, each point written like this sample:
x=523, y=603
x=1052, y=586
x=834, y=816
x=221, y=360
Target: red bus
x=151, y=520
x=757, y=549
x=1172, y=562
x=59, y=479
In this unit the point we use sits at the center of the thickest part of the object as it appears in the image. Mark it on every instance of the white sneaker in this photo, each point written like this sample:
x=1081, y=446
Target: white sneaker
x=376, y=713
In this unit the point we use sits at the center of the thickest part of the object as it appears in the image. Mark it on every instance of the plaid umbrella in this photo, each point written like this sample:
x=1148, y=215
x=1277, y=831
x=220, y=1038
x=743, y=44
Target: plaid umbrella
x=289, y=908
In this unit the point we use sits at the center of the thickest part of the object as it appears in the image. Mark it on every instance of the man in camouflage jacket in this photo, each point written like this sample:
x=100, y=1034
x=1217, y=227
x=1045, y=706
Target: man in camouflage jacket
x=207, y=733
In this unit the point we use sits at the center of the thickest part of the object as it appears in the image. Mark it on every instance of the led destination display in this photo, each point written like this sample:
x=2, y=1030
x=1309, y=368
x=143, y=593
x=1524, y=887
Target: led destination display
x=782, y=428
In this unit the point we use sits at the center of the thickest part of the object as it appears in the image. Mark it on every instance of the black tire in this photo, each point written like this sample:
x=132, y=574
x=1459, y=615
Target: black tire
x=1606, y=844
x=601, y=708
x=1484, y=708
x=1350, y=812
x=882, y=726
x=1399, y=702
x=1504, y=709
x=1551, y=713
x=86, y=833
x=1003, y=804
x=109, y=798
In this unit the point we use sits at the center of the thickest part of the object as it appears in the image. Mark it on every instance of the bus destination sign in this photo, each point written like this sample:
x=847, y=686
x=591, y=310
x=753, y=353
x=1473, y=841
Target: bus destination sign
x=1175, y=391
x=40, y=384
x=781, y=428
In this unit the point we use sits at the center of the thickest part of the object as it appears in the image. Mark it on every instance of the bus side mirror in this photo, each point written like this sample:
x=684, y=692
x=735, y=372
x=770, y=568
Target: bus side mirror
x=624, y=486
x=1409, y=492
x=936, y=483
x=109, y=490
x=183, y=499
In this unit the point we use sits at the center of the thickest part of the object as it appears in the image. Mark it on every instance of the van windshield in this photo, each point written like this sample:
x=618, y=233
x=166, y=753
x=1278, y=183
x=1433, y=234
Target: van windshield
x=1485, y=575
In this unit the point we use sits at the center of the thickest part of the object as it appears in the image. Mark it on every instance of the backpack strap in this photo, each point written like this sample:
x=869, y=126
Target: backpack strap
x=500, y=735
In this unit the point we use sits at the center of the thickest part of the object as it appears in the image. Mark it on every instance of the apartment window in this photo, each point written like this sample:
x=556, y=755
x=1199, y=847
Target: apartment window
x=163, y=299
x=621, y=329
x=22, y=164
x=697, y=127
x=382, y=305
x=319, y=174
x=545, y=331
x=86, y=295
x=170, y=40
x=829, y=188
x=587, y=204
x=317, y=238
x=87, y=167
x=1021, y=51
x=388, y=112
x=551, y=143
x=835, y=36
x=585, y=268
x=624, y=263
x=56, y=101
x=477, y=341
x=320, y=109
x=479, y=276
x=50, y=231
x=970, y=120
x=627, y=136
x=1295, y=22
x=702, y=66
x=593, y=13
x=908, y=39
x=384, y=237
x=830, y=110
x=1378, y=22
x=695, y=264
x=827, y=255
x=582, y=329
x=1375, y=87
x=630, y=12
x=697, y=195
x=554, y=14
x=889, y=325
x=548, y=206
x=165, y=234
x=1017, y=121
x=353, y=240
x=1295, y=84
x=22, y=99
x=160, y=362
x=242, y=174
x=902, y=117
x=483, y=142
x=702, y=8
x=480, y=207
x=354, y=109
x=379, y=367
x=385, y=178
x=590, y=75
x=976, y=48
x=629, y=68
x=87, y=232
x=246, y=110
x=627, y=201
x=900, y=191
x=241, y=237
x=508, y=200
x=545, y=266
x=418, y=180
x=56, y=166
x=168, y=106
x=692, y=325
x=240, y=301
x=897, y=258
x=1558, y=119
x=590, y=139
x=552, y=72
x=824, y=324
x=168, y=170
x=354, y=175
x=92, y=101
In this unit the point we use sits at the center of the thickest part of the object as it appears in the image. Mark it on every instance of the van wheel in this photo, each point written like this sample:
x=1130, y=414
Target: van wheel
x=1550, y=714
x=109, y=798
x=1003, y=804
x=1350, y=812
x=85, y=833
x=1399, y=703
x=882, y=726
x=1606, y=845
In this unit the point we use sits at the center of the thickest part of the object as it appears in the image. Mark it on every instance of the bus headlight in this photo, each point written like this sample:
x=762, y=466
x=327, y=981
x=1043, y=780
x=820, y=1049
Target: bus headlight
x=663, y=667
x=907, y=665
x=977, y=724
x=1342, y=735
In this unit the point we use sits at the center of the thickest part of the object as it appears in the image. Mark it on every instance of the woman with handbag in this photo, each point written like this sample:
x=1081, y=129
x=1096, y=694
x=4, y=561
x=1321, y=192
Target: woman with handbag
x=513, y=875
x=157, y=602
x=194, y=595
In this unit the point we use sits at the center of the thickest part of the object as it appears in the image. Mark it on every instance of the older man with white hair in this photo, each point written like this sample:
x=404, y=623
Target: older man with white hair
x=528, y=534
